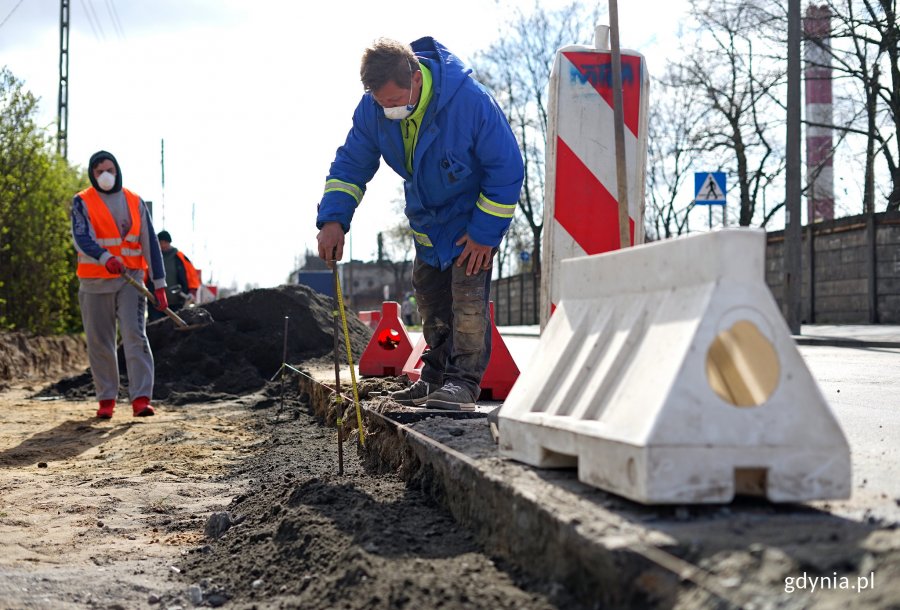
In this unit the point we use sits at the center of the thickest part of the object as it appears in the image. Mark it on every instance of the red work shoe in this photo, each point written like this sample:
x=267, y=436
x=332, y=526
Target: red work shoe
x=106, y=409
x=141, y=407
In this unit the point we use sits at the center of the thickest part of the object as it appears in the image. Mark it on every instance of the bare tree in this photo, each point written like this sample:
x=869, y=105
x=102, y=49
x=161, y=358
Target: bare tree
x=866, y=37
x=673, y=154
x=518, y=240
x=732, y=67
x=516, y=68
x=862, y=47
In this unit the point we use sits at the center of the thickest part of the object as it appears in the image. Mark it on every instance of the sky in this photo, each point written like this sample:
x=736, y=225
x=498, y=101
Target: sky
x=251, y=99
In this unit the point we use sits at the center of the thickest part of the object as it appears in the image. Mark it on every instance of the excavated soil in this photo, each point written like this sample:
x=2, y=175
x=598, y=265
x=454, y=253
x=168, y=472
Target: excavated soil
x=238, y=351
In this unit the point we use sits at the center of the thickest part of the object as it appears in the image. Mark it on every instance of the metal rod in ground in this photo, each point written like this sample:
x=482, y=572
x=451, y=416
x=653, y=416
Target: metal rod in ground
x=619, y=127
x=337, y=374
x=284, y=359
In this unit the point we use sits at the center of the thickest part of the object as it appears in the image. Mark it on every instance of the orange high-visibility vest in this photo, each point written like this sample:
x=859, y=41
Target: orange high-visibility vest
x=107, y=234
x=190, y=272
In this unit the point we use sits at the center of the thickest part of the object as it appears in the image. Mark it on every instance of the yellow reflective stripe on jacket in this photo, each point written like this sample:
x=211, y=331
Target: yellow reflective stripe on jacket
x=422, y=239
x=344, y=187
x=495, y=209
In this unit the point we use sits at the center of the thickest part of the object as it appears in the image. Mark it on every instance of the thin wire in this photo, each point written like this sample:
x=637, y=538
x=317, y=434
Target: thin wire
x=90, y=20
x=90, y=6
x=5, y=19
x=114, y=17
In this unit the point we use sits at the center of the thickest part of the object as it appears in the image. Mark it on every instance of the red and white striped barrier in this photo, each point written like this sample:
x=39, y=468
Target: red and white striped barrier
x=581, y=212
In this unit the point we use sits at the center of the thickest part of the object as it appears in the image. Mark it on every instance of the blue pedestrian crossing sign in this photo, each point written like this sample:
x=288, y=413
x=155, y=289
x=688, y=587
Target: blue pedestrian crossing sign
x=709, y=188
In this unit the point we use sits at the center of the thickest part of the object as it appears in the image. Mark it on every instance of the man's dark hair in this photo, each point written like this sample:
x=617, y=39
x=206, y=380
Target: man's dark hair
x=387, y=60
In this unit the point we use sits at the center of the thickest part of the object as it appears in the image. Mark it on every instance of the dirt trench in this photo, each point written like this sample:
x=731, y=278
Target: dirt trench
x=230, y=496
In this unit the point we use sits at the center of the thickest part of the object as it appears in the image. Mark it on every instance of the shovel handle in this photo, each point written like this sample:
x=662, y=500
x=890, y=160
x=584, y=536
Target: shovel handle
x=143, y=290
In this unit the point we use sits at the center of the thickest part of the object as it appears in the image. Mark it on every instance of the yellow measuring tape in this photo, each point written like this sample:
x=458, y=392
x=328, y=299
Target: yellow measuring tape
x=340, y=300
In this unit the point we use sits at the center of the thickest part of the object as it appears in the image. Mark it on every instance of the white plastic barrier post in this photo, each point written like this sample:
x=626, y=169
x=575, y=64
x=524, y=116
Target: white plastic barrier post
x=668, y=375
x=581, y=212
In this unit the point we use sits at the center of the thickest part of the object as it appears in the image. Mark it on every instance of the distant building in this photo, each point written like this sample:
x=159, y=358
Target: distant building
x=364, y=285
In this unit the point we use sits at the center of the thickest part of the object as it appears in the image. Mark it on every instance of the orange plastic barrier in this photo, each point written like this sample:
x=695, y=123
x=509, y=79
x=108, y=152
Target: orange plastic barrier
x=413, y=366
x=499, y=376
x=370, y=317
x=501, y=372
x=390, y=345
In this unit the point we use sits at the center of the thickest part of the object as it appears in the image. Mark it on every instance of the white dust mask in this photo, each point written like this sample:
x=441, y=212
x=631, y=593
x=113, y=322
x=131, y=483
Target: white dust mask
x=106, y=181
x=398, y=113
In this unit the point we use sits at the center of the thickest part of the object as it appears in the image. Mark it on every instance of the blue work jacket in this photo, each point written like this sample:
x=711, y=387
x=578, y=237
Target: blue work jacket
x=467, y=168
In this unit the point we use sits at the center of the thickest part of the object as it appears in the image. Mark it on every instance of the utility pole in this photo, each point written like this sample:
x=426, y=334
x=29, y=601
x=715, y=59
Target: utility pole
x=62, y=106
x=793, y=221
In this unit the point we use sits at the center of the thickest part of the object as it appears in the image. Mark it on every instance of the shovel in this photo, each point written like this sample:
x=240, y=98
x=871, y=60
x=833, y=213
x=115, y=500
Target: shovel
x=181, y=324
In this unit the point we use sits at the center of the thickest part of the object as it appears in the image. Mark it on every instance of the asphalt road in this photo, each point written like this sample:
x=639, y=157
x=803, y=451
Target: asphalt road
x=862, y=385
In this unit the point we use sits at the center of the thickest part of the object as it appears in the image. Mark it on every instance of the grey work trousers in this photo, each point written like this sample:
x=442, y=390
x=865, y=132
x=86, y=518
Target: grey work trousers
x=99, y=313
x=455, y=323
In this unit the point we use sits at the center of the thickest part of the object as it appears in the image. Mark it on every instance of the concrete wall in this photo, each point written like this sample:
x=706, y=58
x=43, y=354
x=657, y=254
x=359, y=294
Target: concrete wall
x=856, y=270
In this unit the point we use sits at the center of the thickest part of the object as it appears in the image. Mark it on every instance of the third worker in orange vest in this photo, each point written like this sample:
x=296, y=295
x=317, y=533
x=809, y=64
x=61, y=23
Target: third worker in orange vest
x=182, y=278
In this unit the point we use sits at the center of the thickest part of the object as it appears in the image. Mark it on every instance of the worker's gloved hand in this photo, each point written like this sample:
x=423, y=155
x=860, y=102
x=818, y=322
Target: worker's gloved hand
x=162, y=301
x=116, y=266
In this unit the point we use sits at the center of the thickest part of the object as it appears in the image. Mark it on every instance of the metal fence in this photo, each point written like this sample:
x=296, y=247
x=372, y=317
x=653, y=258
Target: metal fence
x=516, y=299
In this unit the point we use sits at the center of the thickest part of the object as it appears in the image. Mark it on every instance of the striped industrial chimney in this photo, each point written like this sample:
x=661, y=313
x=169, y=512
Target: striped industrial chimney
x=819, y=114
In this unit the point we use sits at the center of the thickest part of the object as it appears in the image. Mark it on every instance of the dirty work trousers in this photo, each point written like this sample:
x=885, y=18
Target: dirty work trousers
x=99, y=312
x=455, y=324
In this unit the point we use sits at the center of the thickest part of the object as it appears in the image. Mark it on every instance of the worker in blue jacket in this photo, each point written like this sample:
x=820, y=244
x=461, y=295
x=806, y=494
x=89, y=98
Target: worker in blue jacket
x=462, y=171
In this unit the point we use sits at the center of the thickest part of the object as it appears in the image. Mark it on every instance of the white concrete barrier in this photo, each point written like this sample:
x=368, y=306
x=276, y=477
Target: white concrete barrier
x=668, y=375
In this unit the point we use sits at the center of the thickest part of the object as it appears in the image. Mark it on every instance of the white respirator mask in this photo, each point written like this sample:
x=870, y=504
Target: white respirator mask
x=106, y=181
x=398, y=113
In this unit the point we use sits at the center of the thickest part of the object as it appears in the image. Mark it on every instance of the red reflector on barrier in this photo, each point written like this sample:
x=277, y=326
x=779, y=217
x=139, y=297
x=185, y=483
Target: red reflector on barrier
x=499, y=376
x=389, y=338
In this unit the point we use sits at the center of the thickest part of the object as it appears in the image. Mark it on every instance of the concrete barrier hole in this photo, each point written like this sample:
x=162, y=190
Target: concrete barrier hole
x=554, y=459
x=750, y=481
x=742, y=366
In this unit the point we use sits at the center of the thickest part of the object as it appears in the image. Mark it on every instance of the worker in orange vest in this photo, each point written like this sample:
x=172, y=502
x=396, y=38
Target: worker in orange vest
x=182, y=278
x=114, y=236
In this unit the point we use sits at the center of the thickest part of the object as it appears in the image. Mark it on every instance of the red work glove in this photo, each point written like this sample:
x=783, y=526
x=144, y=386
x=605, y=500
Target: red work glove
x=162, y=301
x=116, y=266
